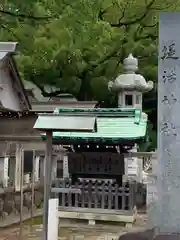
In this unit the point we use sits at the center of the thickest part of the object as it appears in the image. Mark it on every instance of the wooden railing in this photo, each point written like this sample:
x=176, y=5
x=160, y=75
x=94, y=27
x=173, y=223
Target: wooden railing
x=88, y=194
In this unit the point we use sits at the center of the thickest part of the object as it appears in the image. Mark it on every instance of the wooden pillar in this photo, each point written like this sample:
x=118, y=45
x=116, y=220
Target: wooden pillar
x=47, y=183
x=42, y=159
x=36, y=170
x=139, y=169
x=54, y=167
x=18, y=168
x=12, y=167
x=65, y=167
x=5, y=172
x=4, y=162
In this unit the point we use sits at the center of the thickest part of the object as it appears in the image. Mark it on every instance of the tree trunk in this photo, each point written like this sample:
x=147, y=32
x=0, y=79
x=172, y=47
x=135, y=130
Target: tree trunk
x=85, y=91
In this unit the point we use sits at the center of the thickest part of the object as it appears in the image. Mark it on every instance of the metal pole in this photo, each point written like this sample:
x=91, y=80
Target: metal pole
x=32, y=188
x=47, y=182
x=21, y=193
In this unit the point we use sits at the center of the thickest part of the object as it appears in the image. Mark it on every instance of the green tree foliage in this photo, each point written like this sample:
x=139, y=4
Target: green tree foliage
x=78, y=46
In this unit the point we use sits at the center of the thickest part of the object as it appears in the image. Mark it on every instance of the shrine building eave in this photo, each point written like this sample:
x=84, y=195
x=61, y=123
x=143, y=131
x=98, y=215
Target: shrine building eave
x=97, y=141
x=113, y=125
x=12, y=88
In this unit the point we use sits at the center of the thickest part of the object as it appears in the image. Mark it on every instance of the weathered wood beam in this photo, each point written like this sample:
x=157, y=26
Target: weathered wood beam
x=141, y=154
x=51, y=106
x=17, y=138
x=65, y=190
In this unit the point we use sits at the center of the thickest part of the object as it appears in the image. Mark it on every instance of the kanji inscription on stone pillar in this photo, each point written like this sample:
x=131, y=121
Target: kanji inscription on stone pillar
x=168, y=181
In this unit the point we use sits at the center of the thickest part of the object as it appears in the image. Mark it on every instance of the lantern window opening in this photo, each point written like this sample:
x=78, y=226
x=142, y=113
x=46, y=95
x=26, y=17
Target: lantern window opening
x=129, y=99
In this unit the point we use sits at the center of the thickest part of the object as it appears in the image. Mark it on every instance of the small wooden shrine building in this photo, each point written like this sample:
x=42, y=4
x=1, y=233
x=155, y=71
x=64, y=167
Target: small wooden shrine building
x=94, y=164
x=100, y=154
x=119, y=130
x=95, y=160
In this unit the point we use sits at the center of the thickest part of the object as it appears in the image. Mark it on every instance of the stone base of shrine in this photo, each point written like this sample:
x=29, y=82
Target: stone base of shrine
x=126, y=217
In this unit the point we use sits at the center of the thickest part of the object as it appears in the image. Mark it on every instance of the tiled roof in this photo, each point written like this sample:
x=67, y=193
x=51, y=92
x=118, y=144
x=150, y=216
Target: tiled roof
x=113, y=125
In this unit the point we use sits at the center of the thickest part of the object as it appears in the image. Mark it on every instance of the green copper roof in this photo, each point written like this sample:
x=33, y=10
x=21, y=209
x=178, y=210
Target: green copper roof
x=98, y=111
x=113, y=125
x=60, y=123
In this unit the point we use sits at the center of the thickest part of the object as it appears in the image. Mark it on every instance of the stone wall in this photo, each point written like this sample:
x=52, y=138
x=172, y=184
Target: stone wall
x=10, y=201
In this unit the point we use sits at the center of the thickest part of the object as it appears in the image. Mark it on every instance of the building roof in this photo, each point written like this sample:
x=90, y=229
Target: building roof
x=39, y=103
x=114, y=125
x=56, y=122
x=51, y=105
x=7, y=50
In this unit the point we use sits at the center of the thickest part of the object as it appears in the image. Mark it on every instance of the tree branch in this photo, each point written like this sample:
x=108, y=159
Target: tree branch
x=24, y=16
x=148, y=36
x=167, y=6
x=139, y=31
x=102, y=12
x=134, y=19
x=10, y=31
x=109, y=55
x=143, y=26
x=119, y=22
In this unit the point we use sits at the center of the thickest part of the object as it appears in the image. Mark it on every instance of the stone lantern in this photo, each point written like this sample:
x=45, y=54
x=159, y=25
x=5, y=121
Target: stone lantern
x=130, y=86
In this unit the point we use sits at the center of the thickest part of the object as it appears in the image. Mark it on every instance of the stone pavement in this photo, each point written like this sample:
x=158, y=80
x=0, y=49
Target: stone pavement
x=77, y=231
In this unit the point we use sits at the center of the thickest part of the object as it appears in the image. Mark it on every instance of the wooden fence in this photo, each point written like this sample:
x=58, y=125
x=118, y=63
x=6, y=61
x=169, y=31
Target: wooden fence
x=88, y=194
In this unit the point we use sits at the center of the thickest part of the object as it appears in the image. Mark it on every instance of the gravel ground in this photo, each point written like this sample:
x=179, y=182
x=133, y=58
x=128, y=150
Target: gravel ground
x=75, y=231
